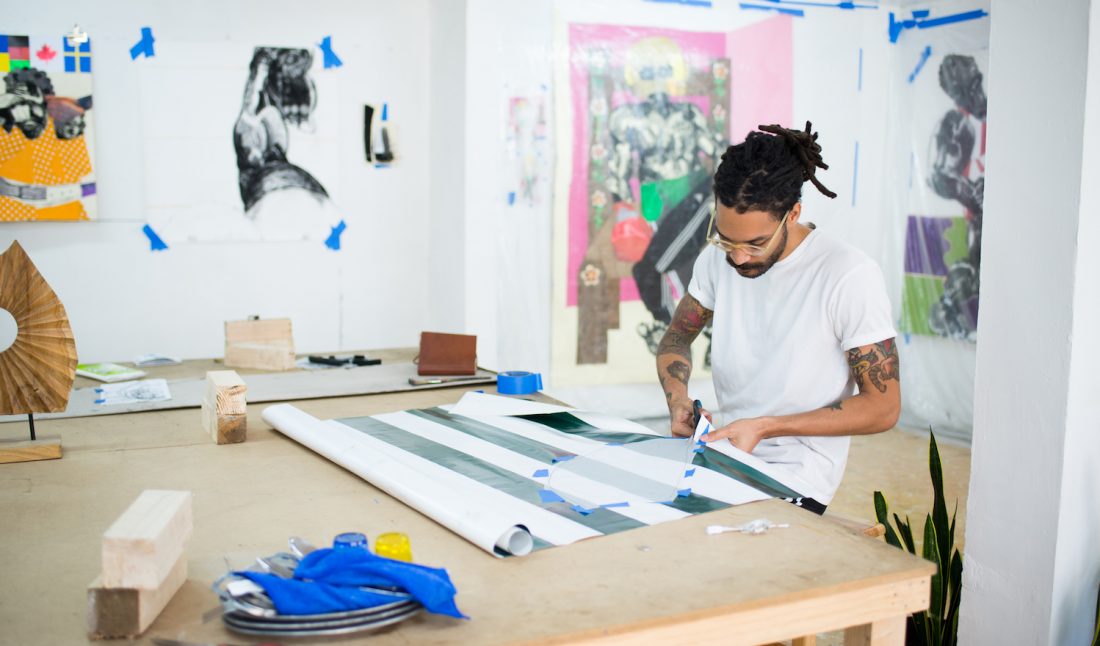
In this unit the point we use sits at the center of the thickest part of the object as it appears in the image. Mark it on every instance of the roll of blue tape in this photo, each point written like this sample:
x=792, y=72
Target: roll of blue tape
x=518, y=382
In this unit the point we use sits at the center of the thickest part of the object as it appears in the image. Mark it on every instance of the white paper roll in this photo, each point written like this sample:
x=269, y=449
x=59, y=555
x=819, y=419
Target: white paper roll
x=384, y=468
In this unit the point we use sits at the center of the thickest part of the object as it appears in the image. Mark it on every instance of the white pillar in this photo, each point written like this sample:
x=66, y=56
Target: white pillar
x=1031, y=566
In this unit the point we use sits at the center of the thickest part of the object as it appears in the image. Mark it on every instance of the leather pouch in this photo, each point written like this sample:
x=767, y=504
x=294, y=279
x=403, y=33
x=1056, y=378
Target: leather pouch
x=447, y=354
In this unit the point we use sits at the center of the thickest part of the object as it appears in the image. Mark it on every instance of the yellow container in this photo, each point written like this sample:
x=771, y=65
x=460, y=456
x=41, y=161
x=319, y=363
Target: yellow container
x=393, y=545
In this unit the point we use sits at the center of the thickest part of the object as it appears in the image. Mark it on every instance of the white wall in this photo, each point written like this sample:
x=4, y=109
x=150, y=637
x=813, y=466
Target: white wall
x=1031, y=566
x=123, y=299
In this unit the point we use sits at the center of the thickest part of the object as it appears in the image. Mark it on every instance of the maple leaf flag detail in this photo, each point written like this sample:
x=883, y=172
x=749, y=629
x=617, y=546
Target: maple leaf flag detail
x=46, y=53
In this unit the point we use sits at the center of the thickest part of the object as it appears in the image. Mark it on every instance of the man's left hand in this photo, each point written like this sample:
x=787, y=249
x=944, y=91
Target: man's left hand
x=745, y=434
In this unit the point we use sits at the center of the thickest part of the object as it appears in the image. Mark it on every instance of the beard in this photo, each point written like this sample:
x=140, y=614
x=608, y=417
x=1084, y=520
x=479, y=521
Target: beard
x=757, y=269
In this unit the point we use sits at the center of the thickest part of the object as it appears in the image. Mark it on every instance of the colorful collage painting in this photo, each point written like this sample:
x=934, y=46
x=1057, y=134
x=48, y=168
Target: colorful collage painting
x=46, y=129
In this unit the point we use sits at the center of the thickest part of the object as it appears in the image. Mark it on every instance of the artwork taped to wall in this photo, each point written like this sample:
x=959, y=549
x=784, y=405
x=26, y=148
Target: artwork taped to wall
x=46, y=128
x=645, y=113
x=526, y=177
x=254, y=156
x=943, y=244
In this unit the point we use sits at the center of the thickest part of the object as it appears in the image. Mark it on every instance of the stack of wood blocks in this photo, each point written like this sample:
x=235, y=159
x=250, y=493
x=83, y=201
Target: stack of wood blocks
x=144, y=564
x=224, y=407
x=266, y=344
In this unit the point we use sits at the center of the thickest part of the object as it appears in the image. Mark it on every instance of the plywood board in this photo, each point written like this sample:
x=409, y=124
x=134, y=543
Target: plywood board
x=270, y=387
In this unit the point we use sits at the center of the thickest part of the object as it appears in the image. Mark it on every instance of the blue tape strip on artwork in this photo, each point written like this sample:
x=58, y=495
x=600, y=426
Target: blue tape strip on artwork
x=101, y=401
x=688, y=3
x=855, y=174
x=683, y=493
x=564, y=458
x=921, y=20
x=847, y=6
x=385, y=112
x=541, y=473
x=333, y=241
x=924, y=56
x=143, y=47
x=548, y=496
x=155, y=243
x=783, y=10
x=329, y=57
x=615, y=504
x=689, y=473
x=581, y=510
x=700, y=449
x=511, y=198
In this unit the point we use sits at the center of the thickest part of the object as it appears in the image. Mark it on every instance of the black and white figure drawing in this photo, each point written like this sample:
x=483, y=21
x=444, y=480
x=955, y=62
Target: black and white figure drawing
x=279, y=94
x=958, y=173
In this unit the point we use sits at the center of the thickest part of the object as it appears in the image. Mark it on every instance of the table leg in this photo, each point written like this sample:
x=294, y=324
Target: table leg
x=887, y=632
x=808, y=640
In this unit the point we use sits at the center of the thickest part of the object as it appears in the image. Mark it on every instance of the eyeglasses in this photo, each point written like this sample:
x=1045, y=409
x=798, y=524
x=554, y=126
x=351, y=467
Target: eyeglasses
x=755, y=251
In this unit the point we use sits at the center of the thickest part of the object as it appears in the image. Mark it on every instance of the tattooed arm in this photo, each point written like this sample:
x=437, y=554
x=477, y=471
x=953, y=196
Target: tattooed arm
x=674, y=361
x=874, y=410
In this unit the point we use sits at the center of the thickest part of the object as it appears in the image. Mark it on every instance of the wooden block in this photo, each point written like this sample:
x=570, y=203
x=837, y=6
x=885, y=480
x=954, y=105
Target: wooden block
x=226, y=390
x=266, y=344
x=224, y=429
x=142, y=546
x=127, y=612
x=224, y=408
x=46, y=447
x=888, y=632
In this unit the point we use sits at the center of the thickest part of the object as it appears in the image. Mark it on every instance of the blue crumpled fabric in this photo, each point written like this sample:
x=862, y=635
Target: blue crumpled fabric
x=329, y=580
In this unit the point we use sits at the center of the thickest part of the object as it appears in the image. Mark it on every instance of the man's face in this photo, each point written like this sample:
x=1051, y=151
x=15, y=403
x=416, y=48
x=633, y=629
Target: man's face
x=758, y=228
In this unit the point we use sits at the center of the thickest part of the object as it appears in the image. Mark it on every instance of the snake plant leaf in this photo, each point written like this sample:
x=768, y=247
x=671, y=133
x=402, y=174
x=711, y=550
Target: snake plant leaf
x=939, y=505
x=881, y=512
x=906, y=533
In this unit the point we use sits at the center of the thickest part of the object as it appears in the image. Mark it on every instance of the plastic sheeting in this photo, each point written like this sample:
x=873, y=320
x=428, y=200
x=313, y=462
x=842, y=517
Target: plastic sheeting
x=938, y=105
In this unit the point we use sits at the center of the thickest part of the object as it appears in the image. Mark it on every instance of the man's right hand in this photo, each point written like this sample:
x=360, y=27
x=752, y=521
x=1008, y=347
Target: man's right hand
x=681, y=416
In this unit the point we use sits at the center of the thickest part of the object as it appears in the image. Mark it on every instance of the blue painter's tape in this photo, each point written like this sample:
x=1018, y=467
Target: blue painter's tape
x=101, y=401
x=689, y=473
x=614, y=444
x=541, y=473
x=689, y=3
x=855, y=174
x=511, y=198
x=616, y=504
x=845, y=5
x=924, y=56
x=563, y=458
x=700, y=449
x=921, y=20
x=329, y=57
x=155, y=243
x=385, y=112
x=143, y=47
x=333, y=241
x=929, y=23
x=518, y=382
x=906, y=338
x=783, y=10
x=581, y=510
x=684, y=493
x=548, y=496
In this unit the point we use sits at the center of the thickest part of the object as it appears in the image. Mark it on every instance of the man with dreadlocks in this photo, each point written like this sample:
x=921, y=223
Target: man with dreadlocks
x=803, y=352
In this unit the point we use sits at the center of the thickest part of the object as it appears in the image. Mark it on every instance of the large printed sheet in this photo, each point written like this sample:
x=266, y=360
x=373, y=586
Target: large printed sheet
x=489, y=478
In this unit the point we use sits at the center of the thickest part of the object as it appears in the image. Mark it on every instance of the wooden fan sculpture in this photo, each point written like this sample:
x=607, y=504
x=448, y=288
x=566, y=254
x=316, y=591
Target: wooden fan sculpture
x=37, y=371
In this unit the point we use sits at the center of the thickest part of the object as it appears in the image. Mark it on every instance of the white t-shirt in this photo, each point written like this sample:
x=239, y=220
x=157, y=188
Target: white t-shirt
x=780, y=343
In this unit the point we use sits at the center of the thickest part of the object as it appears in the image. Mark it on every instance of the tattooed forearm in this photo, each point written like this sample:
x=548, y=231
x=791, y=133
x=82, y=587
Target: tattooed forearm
x=835, y=406
x=679, y=371
x=878, y=365
x=688, y=321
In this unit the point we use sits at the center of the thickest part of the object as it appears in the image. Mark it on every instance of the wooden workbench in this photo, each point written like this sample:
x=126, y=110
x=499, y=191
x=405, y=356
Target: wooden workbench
x=667, y=582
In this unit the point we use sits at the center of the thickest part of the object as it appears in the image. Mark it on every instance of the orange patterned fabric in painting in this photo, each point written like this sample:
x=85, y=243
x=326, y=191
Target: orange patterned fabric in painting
x=43, y=161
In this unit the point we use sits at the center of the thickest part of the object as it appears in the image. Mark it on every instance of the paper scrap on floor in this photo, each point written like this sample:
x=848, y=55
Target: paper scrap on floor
x=133, y=392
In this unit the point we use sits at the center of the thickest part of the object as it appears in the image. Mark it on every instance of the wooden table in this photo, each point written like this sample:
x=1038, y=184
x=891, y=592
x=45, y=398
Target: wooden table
x=667, y=582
